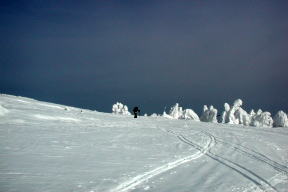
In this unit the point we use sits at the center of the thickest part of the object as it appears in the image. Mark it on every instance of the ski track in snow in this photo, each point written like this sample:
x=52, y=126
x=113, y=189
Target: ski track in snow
x=246, y=173
x=255, y=155
x=139, y=179
x=259, y=183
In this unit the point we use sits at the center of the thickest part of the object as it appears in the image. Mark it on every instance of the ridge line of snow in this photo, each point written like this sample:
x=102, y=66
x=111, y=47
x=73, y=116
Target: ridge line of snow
x=46, y=117
x=133, y=182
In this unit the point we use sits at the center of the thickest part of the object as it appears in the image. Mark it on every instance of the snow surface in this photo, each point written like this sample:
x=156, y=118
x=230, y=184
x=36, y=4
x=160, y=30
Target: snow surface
x=45, y=148
x=3, y=111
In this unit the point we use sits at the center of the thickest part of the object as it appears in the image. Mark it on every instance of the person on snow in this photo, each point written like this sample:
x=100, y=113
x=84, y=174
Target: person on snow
x=136, y=111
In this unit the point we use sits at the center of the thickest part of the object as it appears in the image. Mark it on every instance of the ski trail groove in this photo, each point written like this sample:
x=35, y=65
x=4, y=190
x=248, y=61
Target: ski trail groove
x=255, y=155
x=248, y=174
x=133, y=182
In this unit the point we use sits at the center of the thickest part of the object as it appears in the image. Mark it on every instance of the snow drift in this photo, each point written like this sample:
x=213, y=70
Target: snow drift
x=154, y=115
x=3, y=110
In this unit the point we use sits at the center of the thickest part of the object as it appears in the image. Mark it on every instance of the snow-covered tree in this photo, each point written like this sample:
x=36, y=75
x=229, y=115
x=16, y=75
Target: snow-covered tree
x=235, y=114
x=262, y=119
x=121, y=109
x=224, y=115
x=242, y=116
x=209, y=115
x=252, y=113
x=205, y=114
x=259, y=112
x=189, y=114
x=280, y=119
x=231, y=113
x=176, y=111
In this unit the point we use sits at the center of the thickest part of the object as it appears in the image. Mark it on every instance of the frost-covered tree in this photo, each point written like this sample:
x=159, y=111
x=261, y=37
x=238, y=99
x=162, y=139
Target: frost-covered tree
x=205, y=114
x=235, y=114
x=262, y=119
x=209, y=115
x=242, y=116
x=252, y=113
x=121, y=109
x=280, y=119
x=176, y=111
x=189, y=114
x=224, y=115
x=231, y=113
x=259, y=112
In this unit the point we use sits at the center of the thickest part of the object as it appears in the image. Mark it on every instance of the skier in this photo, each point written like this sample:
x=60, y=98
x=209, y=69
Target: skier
x=136, y=111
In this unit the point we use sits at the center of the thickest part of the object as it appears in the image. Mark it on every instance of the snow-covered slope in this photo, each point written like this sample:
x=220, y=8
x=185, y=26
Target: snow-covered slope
x=55, y=148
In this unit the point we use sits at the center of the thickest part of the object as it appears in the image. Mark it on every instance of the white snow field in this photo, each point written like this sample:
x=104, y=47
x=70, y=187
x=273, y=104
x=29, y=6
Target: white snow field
x=46, y=147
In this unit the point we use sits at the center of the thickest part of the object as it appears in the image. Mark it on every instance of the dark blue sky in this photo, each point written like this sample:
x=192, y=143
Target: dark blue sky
x=91, y=54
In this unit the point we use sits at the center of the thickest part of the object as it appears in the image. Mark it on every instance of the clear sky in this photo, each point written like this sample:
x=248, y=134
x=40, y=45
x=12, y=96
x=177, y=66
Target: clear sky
x=149, y=53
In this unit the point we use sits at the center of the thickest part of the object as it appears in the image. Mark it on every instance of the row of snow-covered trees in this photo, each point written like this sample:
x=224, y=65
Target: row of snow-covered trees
x=233, y=114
